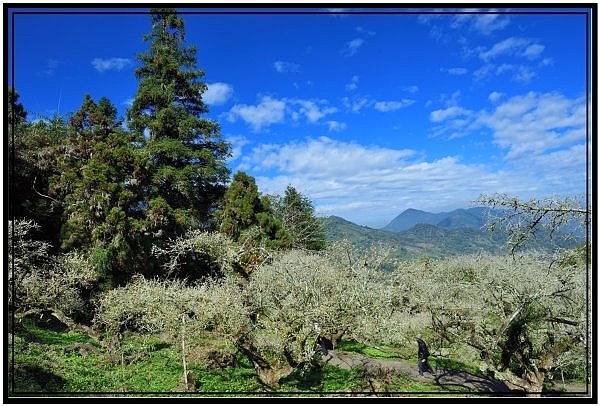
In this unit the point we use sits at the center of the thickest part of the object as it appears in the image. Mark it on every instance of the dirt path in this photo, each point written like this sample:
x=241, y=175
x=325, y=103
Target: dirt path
x=448, y=379
x=456, y=380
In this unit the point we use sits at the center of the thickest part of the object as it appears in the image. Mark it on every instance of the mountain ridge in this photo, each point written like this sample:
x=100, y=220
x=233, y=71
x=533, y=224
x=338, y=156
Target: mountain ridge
x=459, y=218
x=447, y=238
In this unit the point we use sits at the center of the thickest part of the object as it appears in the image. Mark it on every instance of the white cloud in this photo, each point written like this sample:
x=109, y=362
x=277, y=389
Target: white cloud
x=353, y=84
x=411, y=89
x=524, y=74
x=535, y=123
x=356, y=104
x=449, y=112
x=486, y=24
x=533, y=51
x=268, y=111
x=483, y=72
x=311, y=110
x=364, y=31
x=336, y=126
x=102, y=65
x=352, y=46
x=51, y=65
x=217, y=93
x=455, y=71
x=543, y=135
x=365, y=184
x=385, y=106
x=323, y=156
x=494, y=96
x=512, y=46
x=285, y=67
x=525, y=126
x=237, y=144
x=274, y=111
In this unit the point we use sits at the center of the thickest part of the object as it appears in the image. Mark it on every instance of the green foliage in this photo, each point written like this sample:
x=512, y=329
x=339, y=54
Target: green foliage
x=16, y=112
x=184, y=172
x=247, y=217
x=31, y=163
x=95, y=182
x=297, y=215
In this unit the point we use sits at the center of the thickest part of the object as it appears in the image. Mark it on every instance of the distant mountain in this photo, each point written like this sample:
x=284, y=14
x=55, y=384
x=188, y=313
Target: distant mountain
x=474, y=217
x=420, y=240
x=431, y=240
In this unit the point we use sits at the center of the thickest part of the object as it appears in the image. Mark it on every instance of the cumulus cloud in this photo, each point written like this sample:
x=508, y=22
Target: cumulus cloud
x=268, y=111
x=535, y=123
x=525, y=126
x=365, y=184
x=541, y=139
x=336, y=126
x=102, y=65
x=323, y=156
x=285, y=67
x=494, y=96
x=356, y=104
x=443, y=26
x=217, y=93
x=238, y=142
x=533, y=51
x=311, y=110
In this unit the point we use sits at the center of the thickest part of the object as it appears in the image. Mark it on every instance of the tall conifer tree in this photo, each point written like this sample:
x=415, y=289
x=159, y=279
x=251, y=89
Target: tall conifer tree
x=95, y=182
x=185, y=170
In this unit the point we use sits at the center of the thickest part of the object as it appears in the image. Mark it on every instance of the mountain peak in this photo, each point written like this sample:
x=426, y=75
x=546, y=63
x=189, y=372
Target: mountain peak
x=459, y=218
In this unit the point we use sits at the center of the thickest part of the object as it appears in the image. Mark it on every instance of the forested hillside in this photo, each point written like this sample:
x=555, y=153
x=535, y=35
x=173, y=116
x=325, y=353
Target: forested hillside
x=427, y=240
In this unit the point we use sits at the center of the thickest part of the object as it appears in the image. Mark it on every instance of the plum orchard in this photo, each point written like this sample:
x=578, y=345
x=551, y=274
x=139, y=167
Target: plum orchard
x=520, y=316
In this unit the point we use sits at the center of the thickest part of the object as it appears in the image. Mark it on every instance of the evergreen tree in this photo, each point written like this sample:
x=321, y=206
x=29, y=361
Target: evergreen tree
x=184, y=174
x=16, y=112
x=98, y=189
x=246, y=213
x=31, y=162
x=297, y=215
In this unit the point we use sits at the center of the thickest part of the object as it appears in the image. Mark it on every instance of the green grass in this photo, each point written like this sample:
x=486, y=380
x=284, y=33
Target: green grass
x=54, y=361
x=382, y=352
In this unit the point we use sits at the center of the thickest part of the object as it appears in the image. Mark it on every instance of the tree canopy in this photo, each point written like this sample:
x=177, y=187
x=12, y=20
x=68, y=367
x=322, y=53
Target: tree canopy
x=184, y=172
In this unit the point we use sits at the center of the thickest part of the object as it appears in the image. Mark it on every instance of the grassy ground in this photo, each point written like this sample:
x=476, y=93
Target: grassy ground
x=43, y=362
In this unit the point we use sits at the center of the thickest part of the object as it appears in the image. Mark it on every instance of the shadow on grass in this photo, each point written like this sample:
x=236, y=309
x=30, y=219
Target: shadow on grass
x=27, y=379
x=469, y=382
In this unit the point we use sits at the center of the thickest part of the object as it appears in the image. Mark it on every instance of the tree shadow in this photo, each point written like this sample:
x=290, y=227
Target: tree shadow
x=309, y=379
x=454, y=379
x=27, y=379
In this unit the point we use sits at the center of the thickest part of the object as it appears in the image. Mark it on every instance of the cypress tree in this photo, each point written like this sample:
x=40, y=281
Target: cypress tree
x=96, y=184
x=184, y=171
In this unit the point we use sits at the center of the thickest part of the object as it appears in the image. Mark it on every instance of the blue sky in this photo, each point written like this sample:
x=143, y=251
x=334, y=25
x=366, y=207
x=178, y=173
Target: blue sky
x=366, y=114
